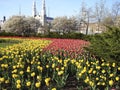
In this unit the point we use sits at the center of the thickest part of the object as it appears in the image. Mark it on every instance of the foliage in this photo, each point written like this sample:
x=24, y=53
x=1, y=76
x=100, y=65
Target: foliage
x=21, y=25
x=3, y=33
x=71, y=35
x=106, y=45
x=64, y=24
x=34, y=25
x=97, y=74
x=108, y=21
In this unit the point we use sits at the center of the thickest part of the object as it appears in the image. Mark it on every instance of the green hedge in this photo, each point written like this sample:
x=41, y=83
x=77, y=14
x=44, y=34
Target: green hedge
x=52, y=35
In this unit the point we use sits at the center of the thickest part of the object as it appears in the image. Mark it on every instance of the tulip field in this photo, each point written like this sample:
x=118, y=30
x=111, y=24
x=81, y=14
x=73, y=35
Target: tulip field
x=46, y=64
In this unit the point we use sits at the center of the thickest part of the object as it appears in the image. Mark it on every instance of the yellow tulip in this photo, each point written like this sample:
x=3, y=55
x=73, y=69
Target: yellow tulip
x=113, y=65
x=60, y=73
x=38, y=67
x=53, y=65
x=118, y=68
x=14, y=71
x=91, y=83
x=57, y=69
x=28, y=83
x=7, y=81
x=111, y=82
x=103, y=83
x=47, y=66
x=21, y=72
x=79, y=66
x=98, y=67
x=47, y=81
x=14, y=75
x=103, y=64
x=18, y=81
x=14, y=67
x=41, y=69
x=38, y=63
x=86, y=80
x=37, y=84
x=98, y=83
x=1, y=59
x=97, y=78
x=94, y=72
x=103, y=71
x=107, y=64
x=80, y=74
x=33, y=74
x=39, y=77
x=28, y=70
x=111, y=75
x=62, y=68
x=117, y=78
x=18, y=86
x=2, y=79
x=6, y=65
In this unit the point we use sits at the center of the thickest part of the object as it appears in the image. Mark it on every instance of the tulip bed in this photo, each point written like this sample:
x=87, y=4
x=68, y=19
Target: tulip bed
x=45, y=64
x=68, y=47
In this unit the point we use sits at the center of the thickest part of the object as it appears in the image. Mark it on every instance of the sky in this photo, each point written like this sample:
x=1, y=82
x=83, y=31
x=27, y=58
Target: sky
x=54, y=8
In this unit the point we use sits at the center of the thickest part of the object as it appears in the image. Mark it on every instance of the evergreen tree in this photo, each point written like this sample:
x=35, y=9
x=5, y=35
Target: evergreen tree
x=106, y=45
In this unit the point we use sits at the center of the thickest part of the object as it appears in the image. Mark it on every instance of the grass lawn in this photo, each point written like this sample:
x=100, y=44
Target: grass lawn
x=3, y=45
x=7, y=42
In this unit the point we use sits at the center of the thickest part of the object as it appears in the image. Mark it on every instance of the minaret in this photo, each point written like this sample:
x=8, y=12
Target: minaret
x=20, y=10
x=34, y=9
x=43, y=13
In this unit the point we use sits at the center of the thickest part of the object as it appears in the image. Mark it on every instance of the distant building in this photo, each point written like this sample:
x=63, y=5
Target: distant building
x=2, y=22
x=93, y=28
x=117, y=22
x=43, y=18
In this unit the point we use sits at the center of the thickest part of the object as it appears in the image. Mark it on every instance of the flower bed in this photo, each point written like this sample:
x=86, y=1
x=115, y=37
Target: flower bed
x=30, y=66
x=70, y=47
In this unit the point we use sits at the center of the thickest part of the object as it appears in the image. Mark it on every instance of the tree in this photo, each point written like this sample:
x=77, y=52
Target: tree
x=16, y=24
x=58, y=24
x=0, y=27
x=106, y=45
x=71, y=24
x=116, y=12
x=64, y=24
x=112, y=17
x=21, y=25
x=84, y=18
x=100, y=10
x=108, y=21
x=34, y=24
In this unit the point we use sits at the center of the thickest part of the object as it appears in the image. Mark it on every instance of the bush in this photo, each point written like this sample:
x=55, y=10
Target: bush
x=7, y=34
x=106, y=45
x=71, y=35
x=64, y=36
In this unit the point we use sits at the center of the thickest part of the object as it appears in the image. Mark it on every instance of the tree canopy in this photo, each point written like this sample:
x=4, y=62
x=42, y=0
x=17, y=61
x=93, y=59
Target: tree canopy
x=21, y=25
x=64, y=24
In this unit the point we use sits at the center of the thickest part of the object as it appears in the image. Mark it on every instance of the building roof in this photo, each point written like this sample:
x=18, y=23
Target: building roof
x=49, y=18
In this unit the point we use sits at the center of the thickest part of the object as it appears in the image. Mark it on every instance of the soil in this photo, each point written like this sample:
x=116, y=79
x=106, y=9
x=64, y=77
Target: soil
x=71, y=83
